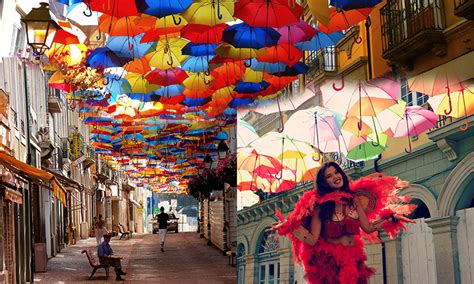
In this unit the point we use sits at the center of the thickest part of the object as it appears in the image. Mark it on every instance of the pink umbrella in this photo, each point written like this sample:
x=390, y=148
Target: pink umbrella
x=296, y=32
x=415, y=121
x=167, y=77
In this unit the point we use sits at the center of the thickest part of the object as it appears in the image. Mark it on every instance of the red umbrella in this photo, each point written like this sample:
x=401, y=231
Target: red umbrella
x=296, y=32
x=167, y=77
x=343, y=20
x=285, y=53
x=65, y=38
x=203, y=33
x=268, y=13
x=227, y=74
x=116, y=8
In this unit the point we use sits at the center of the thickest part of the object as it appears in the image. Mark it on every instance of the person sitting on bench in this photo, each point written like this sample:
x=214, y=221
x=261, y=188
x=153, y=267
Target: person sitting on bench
x=106, y=256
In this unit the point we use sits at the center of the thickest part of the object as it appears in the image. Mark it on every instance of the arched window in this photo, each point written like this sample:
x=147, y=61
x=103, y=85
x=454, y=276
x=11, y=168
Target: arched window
x=268, y=258
x=240, y=263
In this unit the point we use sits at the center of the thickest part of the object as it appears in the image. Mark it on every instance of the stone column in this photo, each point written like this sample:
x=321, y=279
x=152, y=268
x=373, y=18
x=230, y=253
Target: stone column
x=286, y=266
x=446, y=248
x=251, y=271
x=393, y=259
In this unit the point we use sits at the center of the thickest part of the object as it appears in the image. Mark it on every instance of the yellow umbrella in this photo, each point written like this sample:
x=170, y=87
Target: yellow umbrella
x=210, y=12
x=197, y=81
x=251, y=75
x=320, y=10
x=462, y=103
x=70, y=54
x=228, y=51
x=167, y=53
x=139, y=84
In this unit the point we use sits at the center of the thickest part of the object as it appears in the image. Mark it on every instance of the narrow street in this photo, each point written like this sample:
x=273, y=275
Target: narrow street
x=187, y=259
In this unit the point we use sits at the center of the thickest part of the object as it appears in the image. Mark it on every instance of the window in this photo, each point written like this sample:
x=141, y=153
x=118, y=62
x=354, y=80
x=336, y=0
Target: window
x=410, y=97
x=268, y=258
x=240, y=263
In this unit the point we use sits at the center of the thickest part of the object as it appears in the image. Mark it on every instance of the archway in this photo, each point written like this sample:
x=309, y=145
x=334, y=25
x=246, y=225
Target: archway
x=423, y=197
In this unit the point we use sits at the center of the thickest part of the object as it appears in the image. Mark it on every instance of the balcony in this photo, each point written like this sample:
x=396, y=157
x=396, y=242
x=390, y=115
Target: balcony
x=322, y=64
x=410, y=29
x=464, y=9
x=54, y=104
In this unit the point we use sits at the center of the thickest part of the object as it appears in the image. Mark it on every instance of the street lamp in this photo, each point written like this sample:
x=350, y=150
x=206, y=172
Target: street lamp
x=207, y=162
x=222, y=149
x=39, y=25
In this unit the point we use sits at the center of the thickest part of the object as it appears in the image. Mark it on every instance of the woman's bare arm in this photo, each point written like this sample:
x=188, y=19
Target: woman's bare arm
x=364, y=222
x=312, y=236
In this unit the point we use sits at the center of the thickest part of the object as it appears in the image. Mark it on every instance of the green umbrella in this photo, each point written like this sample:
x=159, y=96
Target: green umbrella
x=368, y=150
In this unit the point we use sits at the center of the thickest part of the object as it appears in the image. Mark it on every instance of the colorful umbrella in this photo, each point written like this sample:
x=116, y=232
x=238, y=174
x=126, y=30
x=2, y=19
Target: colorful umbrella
x=268, y=13
x=415, y=121
x=210, y=12
x=244, y=36
x=161, y=9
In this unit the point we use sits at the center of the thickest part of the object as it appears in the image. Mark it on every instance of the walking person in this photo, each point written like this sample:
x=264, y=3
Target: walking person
x=327, y=222
x=99, y=227
x=163, y=219
x=106, y=256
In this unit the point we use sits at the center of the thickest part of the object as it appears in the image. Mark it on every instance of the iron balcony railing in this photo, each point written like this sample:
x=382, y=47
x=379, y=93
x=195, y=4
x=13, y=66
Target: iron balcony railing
x=320, y=61
x=459, y=3
x=403, y=19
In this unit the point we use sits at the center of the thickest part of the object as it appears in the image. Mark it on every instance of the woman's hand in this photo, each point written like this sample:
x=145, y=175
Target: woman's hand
x=403, y=218
x=276, y=226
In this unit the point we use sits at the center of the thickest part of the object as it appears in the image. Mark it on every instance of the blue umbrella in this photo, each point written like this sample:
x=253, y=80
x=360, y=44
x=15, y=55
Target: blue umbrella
x=251, y=87
x=103, y=57
x=170, y=91
x=354, y=4
x=254, y=64
x=221, y=136
x=320, y=40
x=245, y=36
x=240, y=102
x=117, y=85
x=121, y=46
x=199, y=49
x=162, y=8
x=69, y=2
x=295, y=70
x=150, y=97
x=195, y=102
x=196, y=63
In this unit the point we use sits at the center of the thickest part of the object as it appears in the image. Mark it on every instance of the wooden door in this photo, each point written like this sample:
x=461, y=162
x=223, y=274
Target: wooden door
x=465, y=236
x=419, y=264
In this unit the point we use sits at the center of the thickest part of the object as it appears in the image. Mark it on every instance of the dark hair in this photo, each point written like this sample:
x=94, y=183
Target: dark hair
x=162, y=209
x=327, y=208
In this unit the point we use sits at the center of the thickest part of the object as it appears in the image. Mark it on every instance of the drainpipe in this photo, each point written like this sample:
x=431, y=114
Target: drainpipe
x=384, y=262
x=368, y=23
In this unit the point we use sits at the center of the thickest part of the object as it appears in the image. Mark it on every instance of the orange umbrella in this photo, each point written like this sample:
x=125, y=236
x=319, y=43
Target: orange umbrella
x=124, y=26
x=138, y=65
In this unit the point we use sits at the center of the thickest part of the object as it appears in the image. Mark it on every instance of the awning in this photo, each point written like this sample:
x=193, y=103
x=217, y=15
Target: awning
x=456, y=75
x=65, y=181
x=135, y=203
x=36, y=175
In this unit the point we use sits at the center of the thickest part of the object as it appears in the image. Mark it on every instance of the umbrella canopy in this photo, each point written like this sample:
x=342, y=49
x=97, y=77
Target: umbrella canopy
x=167, y=53
x=210, y=12
x=296, y=32
x=354, y=4
x=245, y=36
x=198, y=33
x=163, y=8
x=461, y=103
x=343, y=20
x=269, y=13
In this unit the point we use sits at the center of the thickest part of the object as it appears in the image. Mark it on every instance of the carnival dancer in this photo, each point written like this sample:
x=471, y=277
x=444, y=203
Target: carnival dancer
x=324, y=228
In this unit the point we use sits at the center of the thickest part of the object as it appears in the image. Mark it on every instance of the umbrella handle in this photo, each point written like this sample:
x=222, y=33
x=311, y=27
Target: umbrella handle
x=219, y=14
x=106, y=80
x=206, y=82
x=448, y=111
x=282, y=125
x=207, y=72
x=359, y=125
x=87, y=12
x=130, y=46
x=409, y=145
x=176, y=22
x=339, y=88
x=99, y=36
x=357, y=39
x=248, y=65
x=170, y=61
x=465, y=126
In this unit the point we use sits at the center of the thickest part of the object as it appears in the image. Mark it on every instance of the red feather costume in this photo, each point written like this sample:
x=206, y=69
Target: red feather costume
x=326, y=262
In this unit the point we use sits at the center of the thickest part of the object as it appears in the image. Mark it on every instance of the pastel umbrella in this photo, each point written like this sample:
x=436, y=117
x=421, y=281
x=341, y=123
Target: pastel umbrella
x=250, y=161
x=210, y=12
x=247, y=181
x=198, y=33
x=245, y=36
x=296, y=32
x=462, y=103
x=356, y=99
x=415, y=121
x=368, y=150
x=163, y=8
x=314, y=125
x=103, y=57
x=268, y=13
x=167, y=53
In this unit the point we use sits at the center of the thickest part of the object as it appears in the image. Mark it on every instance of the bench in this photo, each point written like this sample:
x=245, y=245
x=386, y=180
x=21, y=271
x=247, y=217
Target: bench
x=231, y=256
x=95, y=264
x=123, y=232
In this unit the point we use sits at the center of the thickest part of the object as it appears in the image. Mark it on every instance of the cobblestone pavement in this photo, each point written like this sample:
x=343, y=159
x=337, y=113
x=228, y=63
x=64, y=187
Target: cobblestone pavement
x=187, y=259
